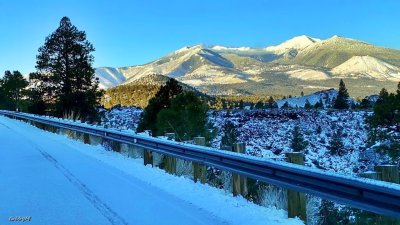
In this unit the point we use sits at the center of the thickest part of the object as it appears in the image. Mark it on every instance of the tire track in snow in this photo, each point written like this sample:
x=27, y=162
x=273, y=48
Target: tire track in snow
x=103, y=208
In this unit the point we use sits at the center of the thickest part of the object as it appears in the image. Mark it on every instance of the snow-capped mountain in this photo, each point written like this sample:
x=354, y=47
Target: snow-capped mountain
x=297, y=43
x=300, y=62
x=195, y=66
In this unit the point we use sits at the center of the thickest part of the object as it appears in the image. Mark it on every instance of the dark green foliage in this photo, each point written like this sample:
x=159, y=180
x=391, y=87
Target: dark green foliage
x=298, y=143
x=307, y=105
x=386, y=109
x=65, y=73
x=365, y=104
x=259, y=105
x=331, y=215
x=285, y=105
x=385, y=123
x=302, y=94
x=336, y=146
x=251, y=105
x=319, y=104
x=271, y=104
x=230, y=134
x=186, y=117
x=241, y=104
x=161, y=100
x=342, y=97
x=12, y=91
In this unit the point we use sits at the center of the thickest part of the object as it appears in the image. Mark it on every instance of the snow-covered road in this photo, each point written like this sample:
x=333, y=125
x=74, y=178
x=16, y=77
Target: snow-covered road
x=53, y=180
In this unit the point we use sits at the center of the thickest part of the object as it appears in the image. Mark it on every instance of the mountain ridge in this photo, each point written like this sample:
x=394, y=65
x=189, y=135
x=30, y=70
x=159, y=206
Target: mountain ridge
x=301, y=60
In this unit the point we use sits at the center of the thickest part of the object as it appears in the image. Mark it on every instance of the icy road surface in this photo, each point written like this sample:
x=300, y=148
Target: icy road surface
x=50, y=179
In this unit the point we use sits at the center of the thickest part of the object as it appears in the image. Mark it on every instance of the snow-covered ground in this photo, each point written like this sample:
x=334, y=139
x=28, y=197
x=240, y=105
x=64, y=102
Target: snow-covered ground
x=121, y=117
x=268, y=133
x=54, y=180
x=326, y=97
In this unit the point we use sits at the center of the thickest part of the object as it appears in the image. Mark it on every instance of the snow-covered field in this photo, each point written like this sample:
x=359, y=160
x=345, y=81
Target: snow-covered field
x=55, y=180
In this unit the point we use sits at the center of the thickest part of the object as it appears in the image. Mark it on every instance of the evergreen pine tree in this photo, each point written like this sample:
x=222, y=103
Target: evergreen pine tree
x=271, y=103
x=259, y=105
x=298, y=143
x=319, y=104
x=285, y=105
x=160, y=101
x=342, y=97
x=251, y=105
x=365, y=104
x=241, y=104
x=307, y=105
x=386, y=109
x=186, y=117
x=64, y=65
x=13, y=89
x=336, y=146
x=230, y=134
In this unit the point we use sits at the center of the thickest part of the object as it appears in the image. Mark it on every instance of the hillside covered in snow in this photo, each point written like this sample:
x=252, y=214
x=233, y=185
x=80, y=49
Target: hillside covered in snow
x=268, y=133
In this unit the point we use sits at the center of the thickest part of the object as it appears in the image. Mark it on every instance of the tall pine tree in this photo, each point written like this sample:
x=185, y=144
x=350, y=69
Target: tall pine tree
x=336, y=146
x=271, y=103
x=186, y=117
x=230, y=134
x=64, y=65
x=13, y=89
x=386, y=108
x=160, y=101
x=342, y=97
x=298, y=143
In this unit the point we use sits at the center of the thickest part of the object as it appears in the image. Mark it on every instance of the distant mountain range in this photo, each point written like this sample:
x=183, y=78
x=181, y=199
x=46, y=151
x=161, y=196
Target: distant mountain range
x=300, y=64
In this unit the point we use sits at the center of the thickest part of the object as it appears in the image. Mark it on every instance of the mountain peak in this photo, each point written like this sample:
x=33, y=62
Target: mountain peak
x=190, y=48
x=298, y=43
x=337, y=38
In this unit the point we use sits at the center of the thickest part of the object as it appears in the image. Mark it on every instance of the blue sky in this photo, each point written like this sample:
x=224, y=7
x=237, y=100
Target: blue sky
x=132, y=32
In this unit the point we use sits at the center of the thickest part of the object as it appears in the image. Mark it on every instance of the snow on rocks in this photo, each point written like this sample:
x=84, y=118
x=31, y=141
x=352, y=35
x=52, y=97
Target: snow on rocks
x=124, y=118
x=268, y=133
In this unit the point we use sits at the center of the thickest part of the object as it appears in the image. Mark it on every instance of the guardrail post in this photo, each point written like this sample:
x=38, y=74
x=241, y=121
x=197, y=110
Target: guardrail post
x=95, y=140
x=239, y=182
x=390, y=173
x=296, y=200
x=371, y=175
x=199, y=171
x=83, y=137
x=170, y=161
x=147, y=155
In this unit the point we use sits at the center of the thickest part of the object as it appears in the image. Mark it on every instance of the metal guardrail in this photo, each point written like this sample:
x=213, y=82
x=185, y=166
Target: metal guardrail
x=374, y=196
